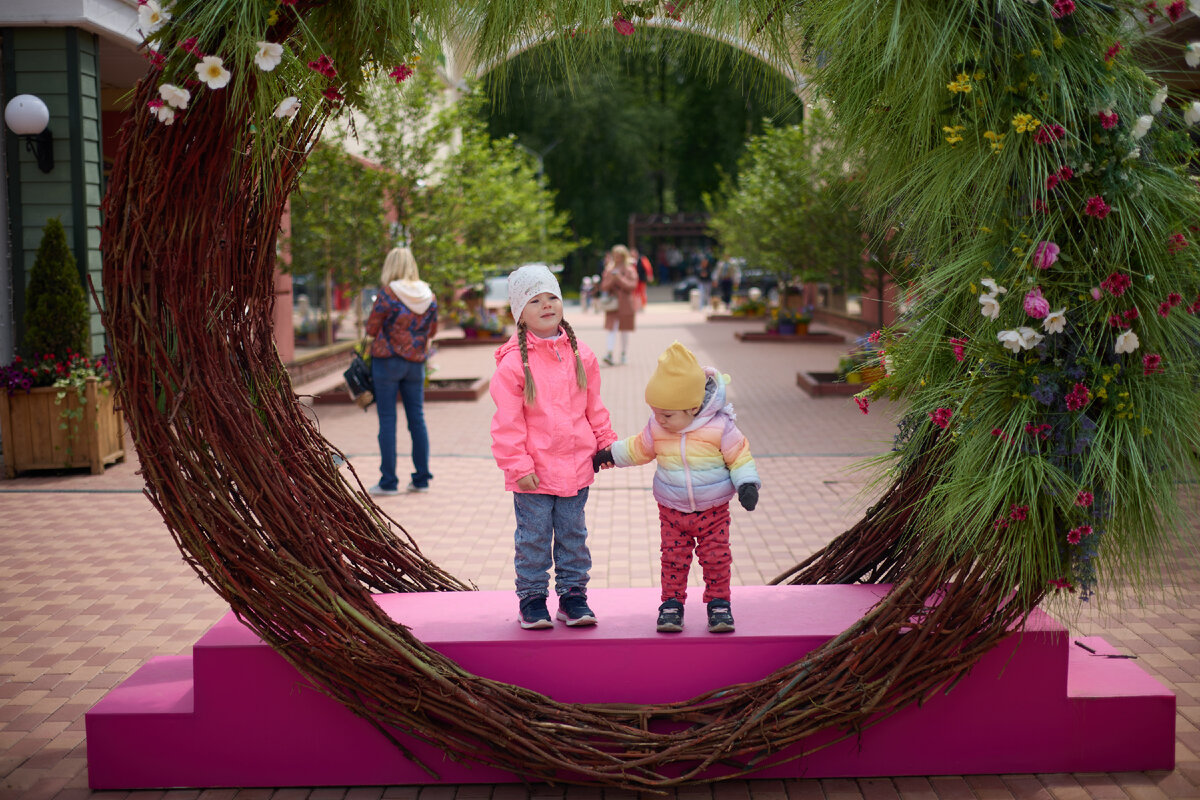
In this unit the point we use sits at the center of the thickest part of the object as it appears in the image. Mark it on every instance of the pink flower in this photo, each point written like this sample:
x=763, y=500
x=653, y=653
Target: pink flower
x=874, y=337
x=1116, y=321
x=1066, y=173
x=1063, y=8
x=189, y=45
x=1062, y=583
x=1018, y=513
x=1175, y=10
x=401, y=73
x=1000, y=434
x=1052, y=181
x=1096, y=207
x=623, y=26
x=1151, y=7
x=1108, y=119
x=1151, y=363
x=1045, y=254
x=941, y=417
x=1164, y=308
x=332, y=95
x=323, y=65
x=1111, y=53
x=155, y=103
x=1049, y=133
x=863, y=404
x=959, y=352
x=1078, y=397
x=1174, y=299
x=1116, y=283
x=1076, y=534
x=1036, y=306
x=1038, y=431
x=1096, y=293
x=1084, y=498
x=1175, y=243
x=1131, y=314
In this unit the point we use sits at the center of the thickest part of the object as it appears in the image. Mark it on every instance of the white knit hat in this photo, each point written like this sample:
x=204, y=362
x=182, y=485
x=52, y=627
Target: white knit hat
x=527, y=282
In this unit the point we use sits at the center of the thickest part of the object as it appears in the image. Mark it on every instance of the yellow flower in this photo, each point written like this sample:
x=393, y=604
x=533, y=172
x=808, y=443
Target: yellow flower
x=1025, y=123
x=984, y=229
x=1010, y=89
x=978, y=75
x=1058, y=39
x=996, y=140
x=1036, y=53
x=962, y=84
x=1146, y=431
x=1018, y=252
x=273, y=17
x=954, y=136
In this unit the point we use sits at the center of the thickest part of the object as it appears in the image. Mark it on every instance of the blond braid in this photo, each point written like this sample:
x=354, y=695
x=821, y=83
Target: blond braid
x=530, y=390
x=580, y=375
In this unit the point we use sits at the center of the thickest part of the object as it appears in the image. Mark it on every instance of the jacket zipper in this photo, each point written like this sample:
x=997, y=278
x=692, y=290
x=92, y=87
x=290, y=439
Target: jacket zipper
x=687, y=470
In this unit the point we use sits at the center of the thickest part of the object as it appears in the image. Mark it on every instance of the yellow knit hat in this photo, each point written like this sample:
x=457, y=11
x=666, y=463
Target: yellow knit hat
x=678, y=383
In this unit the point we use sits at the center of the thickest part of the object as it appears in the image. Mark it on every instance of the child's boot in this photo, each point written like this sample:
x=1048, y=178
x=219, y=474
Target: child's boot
x=670, y=616
x=720, y=617
x=534, y=613
x=608, y=359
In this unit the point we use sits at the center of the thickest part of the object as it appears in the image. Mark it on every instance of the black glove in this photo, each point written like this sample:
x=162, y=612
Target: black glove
x=748, y=496
x=601, y=458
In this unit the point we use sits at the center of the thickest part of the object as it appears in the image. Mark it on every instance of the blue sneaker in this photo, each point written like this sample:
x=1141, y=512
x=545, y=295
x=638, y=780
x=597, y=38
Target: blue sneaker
x=670, y=617
x=573, y=608
x=720, y=617
x=534, y=613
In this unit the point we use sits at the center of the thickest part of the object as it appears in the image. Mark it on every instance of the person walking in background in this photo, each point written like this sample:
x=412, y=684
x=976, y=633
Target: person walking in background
x=549, y=423
x=402, y=322
x=704, y=461
x=620, y=280
x=645, y=275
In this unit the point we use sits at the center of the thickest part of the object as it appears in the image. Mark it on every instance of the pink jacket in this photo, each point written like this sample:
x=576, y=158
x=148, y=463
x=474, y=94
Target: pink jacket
x=555, y=437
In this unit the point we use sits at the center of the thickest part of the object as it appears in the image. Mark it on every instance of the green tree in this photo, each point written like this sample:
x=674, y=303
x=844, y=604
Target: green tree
x=56, y=311
x=788, y=212
x=339, y=226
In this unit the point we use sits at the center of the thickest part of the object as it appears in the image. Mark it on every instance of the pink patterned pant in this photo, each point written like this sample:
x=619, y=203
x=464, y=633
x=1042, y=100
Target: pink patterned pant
x=707, y=533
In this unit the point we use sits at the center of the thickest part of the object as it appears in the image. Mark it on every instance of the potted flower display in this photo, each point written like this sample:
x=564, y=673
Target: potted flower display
x=786, y=321
x=57, y=407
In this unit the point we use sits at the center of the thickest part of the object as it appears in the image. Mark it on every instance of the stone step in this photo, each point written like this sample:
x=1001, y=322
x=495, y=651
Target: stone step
x=235, y=713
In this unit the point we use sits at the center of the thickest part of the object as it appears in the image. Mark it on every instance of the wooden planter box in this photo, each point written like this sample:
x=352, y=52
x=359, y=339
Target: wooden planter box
x=764, y=336
x=826, y=384
x=38, y=435
x=478, y=337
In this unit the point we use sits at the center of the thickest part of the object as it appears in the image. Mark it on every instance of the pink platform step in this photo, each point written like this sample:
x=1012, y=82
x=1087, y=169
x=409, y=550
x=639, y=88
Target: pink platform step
x=234, y=713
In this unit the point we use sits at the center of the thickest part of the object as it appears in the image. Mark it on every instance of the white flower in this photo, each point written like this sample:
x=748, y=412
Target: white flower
x=1192, y=115
x=1192, y=55
x=211, y=70
x=1127, y=342
x=992, y=287
x=889, y=363
x=268, y=56
x=1160, y=97
x=1055, y=321
x=990, y=306
x=1142, y=126
x=174, y=96
x=1029, y=337
x=1010, y=339
x=165, y=114
x=151, y=17
x=287, y=107
x=1132, y=154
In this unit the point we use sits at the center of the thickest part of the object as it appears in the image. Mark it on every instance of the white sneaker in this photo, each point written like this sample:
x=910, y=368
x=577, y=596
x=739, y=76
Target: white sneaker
x=412, y=487
x=379, y=491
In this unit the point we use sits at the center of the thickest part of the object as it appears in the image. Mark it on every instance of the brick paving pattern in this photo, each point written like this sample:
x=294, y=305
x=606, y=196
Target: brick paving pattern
x=92, y=585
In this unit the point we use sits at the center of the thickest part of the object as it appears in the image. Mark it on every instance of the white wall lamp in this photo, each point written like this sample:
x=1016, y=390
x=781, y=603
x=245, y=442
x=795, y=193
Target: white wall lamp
x=27, y=116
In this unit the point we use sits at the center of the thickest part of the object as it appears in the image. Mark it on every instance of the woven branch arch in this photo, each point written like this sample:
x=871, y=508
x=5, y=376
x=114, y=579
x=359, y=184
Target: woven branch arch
x=251, y=494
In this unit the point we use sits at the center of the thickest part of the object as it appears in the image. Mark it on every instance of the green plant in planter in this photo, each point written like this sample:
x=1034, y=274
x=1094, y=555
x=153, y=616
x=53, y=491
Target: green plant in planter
x=56, y=312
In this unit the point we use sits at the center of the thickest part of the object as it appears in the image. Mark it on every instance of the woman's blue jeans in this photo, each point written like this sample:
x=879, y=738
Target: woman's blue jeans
x=406, y=379
x=551, y=530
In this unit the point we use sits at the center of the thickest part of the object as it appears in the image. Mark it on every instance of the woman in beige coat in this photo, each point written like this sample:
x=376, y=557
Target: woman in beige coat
x=620, y=280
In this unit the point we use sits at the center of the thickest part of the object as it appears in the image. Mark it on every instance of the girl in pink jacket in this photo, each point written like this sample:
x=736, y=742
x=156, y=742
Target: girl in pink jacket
x=548, y=424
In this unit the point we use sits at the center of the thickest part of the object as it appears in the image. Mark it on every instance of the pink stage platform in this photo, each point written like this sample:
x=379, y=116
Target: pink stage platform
x=234, y=713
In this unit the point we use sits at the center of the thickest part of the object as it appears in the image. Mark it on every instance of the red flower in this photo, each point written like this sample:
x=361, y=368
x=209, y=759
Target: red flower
x=1175, y=243
x=1174, y=299
x=1131, y=314
x=1151, y=363
x=1039, y=205
x=1018, y=513
x=623, y=26
x=1063, y=8
x=1066, y=173
x=1175, y=10
x=1062, y=583
x=1108, y=120
x=1117, y=283
x=959, y=353
x=189, y=45
x=1111, y=53
x=1164, y=308
x=1039, y=431
x=997, y=432
x=863, y=404
x=874, y=337
x=1073, y=536
x=1151, y=7
x=1096, y=207
x=941, y=417
x=332, y=95
x=1084, y=499
x=155, y=103
x=155, y=58
x=1078, y=397
x=401, y=73
x=1049, y=133
x=323, y=65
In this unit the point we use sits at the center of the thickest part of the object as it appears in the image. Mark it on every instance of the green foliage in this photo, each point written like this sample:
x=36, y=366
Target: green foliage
x=1059, y=453
x=338, y=219
x=646, y=127
x=56, y=309
x=787, y=211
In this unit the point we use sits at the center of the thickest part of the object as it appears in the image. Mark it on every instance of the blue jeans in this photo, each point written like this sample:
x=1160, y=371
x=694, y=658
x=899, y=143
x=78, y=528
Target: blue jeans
x=550, y=529
x=399, y=377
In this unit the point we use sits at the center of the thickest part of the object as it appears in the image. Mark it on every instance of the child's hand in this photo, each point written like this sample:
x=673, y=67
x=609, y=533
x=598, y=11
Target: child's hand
x=603, y=459
x=748, y=496
x=529, y=483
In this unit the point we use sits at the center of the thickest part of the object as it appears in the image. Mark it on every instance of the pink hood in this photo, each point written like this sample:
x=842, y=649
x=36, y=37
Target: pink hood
x=557, y=435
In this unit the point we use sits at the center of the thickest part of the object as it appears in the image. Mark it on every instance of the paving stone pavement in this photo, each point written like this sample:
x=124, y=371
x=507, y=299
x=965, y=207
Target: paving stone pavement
x=92, y=585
